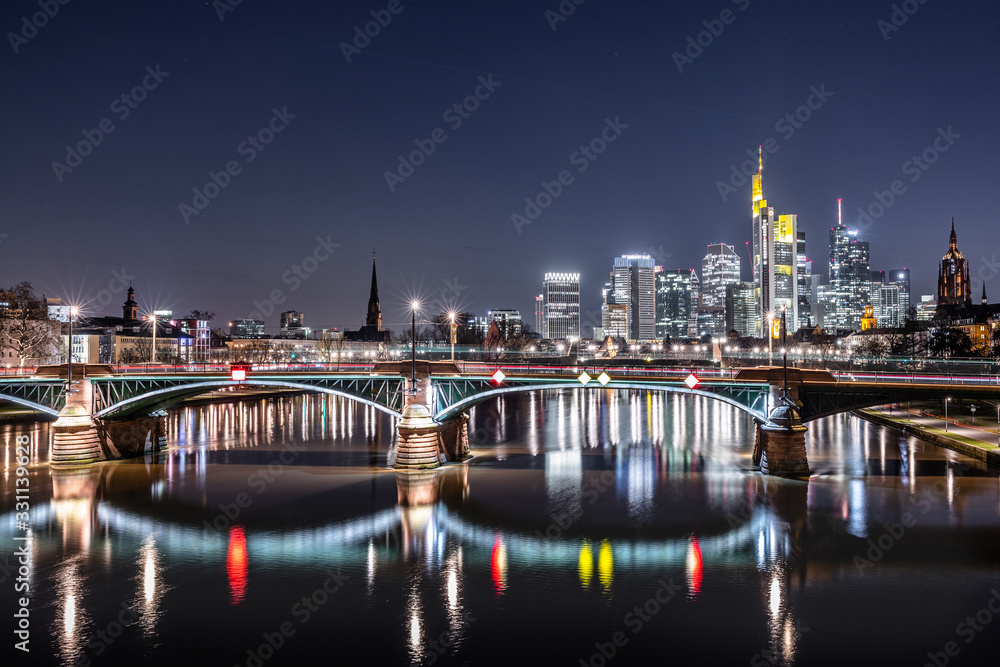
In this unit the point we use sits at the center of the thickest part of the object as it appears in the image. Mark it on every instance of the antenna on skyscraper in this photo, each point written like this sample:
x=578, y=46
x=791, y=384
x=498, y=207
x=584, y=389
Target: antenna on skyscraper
x=760, y=159
x=840, y=221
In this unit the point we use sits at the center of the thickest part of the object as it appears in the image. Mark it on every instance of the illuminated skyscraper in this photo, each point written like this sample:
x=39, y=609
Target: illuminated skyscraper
x=849, y=290
x=561, y=306
x=720, y=267
x=741, y=310
x=775, y=259
x=632, y=285
x=803, y=273
x=540, y=315
x=674, y=300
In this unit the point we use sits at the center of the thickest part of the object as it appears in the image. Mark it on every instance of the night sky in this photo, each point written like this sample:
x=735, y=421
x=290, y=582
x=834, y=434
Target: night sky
x=444, y=233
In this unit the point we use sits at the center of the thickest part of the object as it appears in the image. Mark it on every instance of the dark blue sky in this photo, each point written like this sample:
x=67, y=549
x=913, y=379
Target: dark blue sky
x=446, y=230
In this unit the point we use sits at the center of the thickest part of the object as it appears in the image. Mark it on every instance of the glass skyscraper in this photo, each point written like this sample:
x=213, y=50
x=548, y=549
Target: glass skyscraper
x=561, y=306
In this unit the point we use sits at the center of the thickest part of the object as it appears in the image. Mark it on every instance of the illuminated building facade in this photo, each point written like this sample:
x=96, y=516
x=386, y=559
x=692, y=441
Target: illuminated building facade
x=850, y=277
x=775, y=259
x=633, y=285
x=561, y=306
x=741, y=309
x=674, y=301
x=719, y=268
x=954, y=287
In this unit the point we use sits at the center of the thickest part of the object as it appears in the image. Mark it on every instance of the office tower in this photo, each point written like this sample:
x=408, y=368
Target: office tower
x=901, y=278
x=674, y=299
x=633, y=286
x=954, y=287
x=741, y=309
x=692, y=330
x=719, y=268
x=775, y=262
x=850, y=277
x=508, y=322
x=803, y=273
x=540, y=315
x=886, y=304
x=561, y=306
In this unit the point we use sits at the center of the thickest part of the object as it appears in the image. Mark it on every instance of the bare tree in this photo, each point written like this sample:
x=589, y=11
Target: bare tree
x=201, y=314
x=25, y=327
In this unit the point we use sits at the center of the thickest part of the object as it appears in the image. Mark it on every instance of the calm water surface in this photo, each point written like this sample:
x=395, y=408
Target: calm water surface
x=589, y=528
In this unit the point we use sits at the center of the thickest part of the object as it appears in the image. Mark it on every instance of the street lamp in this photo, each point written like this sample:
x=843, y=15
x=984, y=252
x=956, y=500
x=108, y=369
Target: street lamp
x=413, y=339
x=69, y=361
x=451, y=316
x=946, y=414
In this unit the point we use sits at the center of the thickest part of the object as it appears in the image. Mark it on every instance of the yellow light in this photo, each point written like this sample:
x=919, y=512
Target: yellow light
x=605, y=565
x=585, y=565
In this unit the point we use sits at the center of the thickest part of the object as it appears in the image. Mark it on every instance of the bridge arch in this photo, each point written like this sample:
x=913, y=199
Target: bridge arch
x=37, y=407
x=466, y=403
x=165, y=397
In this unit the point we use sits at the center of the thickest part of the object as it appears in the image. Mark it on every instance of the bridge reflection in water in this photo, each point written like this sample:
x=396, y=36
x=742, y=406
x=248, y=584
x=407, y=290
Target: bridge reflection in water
x=574, y=502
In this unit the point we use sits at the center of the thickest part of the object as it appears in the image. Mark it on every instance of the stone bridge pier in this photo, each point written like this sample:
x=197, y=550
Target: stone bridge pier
x=421, y=441
x=80, y=439
x=780, y=442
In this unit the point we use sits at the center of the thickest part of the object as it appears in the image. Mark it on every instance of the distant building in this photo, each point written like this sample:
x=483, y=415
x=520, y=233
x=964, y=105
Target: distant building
x=901, y=279
x=540, y=315
x=561, y=306
x=372, y=331
x=775, y=258
x=926, y=308
x=674, y=298
x=803, y=272
x=508, y=322
x=720, y=267
x=293, y=325
x=954, y=294
x=741, y=309
x=247, y=329
x=850, y=277
x=56, y=309
x=633, y=285
x=202, y=335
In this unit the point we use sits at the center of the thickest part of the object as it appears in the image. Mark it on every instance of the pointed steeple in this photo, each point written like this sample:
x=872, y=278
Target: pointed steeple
x=374, y=318
x=953, y=242
x=984, y=293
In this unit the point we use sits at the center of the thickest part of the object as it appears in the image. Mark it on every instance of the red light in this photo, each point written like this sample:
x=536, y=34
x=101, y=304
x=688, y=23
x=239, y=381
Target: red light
x=239, y=375
x=695, y=567
x=236, y=564
x=498, y=376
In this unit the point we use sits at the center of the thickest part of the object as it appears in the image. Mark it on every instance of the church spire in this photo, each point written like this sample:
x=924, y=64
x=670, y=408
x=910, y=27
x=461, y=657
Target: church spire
x=984, y=293
x=374, y=318
x=953, y=242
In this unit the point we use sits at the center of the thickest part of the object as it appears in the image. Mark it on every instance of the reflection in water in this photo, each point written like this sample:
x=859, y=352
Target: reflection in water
x=649, y=484
x=585, y=565
x=236, y=564
x=694, y=567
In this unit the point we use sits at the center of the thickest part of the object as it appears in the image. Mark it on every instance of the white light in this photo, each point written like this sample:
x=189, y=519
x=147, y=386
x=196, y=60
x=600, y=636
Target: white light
x=603, y=378
x=584, y=378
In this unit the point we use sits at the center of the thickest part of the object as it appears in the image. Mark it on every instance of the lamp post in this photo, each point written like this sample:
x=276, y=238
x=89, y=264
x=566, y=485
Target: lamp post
x=451, y=316
x=69, y=360
x=413, y=340
x=770, y=339
x=153, y=354
x=946, y=414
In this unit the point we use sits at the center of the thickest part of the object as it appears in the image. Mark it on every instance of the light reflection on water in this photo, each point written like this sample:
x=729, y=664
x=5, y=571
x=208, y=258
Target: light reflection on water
x=574, y=504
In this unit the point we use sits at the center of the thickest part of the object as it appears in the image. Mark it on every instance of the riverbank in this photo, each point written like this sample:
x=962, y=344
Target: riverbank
x=971, y=442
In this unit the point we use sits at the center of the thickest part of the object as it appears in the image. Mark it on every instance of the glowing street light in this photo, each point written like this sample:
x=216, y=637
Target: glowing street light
x=946, y=400
x=69, y=361
x=414, y=306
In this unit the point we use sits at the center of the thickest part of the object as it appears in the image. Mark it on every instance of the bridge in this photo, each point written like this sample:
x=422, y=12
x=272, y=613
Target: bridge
x=125, y=411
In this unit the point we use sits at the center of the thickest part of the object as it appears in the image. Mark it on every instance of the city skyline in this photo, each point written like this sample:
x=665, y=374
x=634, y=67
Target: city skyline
x=281, y=140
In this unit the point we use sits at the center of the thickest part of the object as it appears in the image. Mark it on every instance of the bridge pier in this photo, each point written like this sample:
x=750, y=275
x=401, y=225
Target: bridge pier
x=78, y=439
x=780, y=444
x=423, y=443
